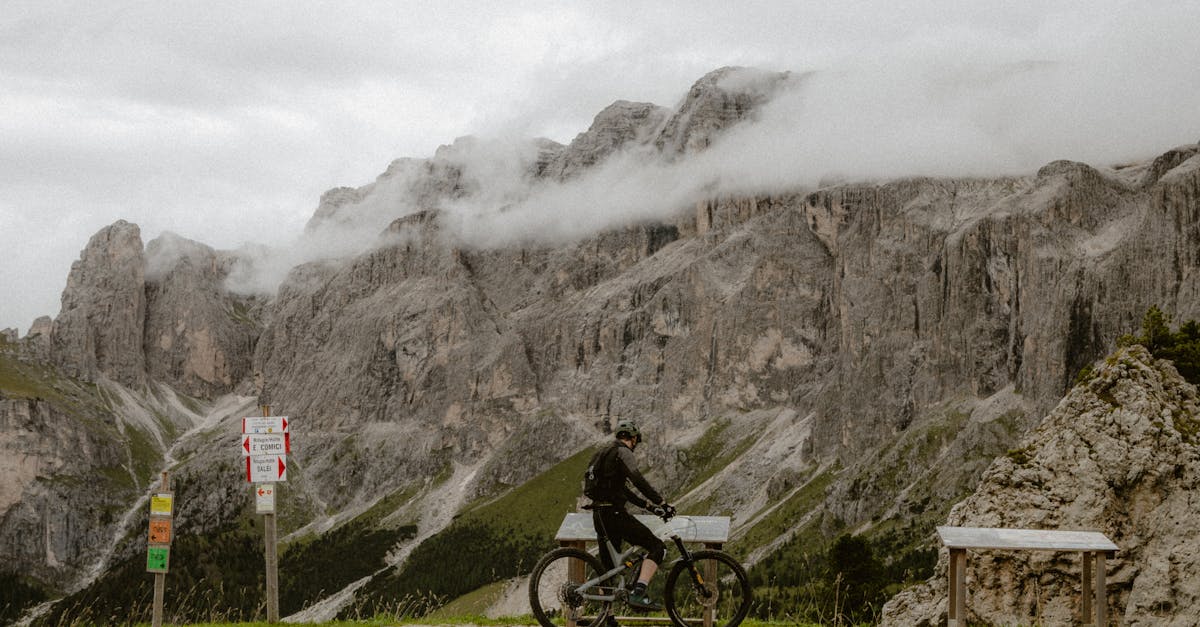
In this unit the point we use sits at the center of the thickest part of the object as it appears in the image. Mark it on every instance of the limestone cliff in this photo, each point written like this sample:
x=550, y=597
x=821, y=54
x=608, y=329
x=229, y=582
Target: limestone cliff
x=806, y=360
x=99, y=329
x=621, y=125
x=1120, y=455
x=73, y=457
x=197, y=336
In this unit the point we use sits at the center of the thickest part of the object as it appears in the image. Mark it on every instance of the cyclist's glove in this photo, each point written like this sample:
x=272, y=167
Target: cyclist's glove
x=664, y=511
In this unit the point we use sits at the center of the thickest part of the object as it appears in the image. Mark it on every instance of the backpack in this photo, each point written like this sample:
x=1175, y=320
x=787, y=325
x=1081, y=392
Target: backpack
x=600, y=477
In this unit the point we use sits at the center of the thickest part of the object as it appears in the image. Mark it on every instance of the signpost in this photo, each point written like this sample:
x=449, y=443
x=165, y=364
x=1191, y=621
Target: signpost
x=266, y=442
x=158, y=546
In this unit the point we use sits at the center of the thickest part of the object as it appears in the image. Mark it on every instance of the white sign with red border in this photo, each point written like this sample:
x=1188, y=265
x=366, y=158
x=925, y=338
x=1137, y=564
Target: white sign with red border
x=266, y=468
x=266, y=424
x=254, y=444
x=264, y=498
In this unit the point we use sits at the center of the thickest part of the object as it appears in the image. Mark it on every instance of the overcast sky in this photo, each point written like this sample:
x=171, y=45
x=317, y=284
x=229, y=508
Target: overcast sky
x=224, y=122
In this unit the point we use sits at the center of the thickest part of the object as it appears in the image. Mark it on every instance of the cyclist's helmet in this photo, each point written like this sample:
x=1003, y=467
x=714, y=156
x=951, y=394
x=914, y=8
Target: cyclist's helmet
x=629, y=429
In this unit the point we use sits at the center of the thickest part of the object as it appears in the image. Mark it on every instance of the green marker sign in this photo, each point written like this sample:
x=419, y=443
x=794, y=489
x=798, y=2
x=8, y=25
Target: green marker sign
x=157, y=558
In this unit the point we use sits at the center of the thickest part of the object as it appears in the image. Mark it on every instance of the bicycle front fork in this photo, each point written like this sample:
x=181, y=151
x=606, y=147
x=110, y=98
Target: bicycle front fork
x=697, y=579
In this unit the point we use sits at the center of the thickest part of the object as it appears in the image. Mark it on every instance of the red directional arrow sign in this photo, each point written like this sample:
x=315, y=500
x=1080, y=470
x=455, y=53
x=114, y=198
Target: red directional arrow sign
x=266, y=444
x=266, y=468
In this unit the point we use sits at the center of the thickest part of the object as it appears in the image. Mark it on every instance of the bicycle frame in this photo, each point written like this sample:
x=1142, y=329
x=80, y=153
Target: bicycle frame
x=619, y=566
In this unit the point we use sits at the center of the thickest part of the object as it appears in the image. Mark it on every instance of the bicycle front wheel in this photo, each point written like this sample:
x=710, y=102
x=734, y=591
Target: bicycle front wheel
x=554, y=594
x=714, y=592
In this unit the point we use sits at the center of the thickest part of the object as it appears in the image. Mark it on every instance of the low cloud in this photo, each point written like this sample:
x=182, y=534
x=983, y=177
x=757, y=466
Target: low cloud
x=224, y=124
x=917, y=115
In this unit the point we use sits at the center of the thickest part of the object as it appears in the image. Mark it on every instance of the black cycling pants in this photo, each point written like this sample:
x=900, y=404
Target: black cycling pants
x=620, y=526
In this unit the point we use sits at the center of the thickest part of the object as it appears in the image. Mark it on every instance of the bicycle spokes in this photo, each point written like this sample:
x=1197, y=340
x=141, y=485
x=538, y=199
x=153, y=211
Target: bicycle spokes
x=558, y=594
x=712, y=591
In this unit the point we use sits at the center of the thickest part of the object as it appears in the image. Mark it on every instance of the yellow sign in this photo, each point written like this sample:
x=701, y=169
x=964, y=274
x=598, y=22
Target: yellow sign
x=160, y=504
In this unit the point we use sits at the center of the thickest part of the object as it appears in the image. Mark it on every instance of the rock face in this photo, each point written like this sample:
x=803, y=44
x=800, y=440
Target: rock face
x=1119, y=454
x=162, y=314
x=99, y=329
x=50, y=528
x=621, y=124
x=73, y=459
x=717, y=101
x=845, y=346
x=198, y=337
x=993, y=292
x=756, y=310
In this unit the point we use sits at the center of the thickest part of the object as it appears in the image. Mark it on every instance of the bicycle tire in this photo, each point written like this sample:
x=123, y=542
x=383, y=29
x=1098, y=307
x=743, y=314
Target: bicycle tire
x=551, y=594
x=727, y=595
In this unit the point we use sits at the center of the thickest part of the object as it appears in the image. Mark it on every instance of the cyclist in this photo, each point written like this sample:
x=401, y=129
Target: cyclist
x=611, y=471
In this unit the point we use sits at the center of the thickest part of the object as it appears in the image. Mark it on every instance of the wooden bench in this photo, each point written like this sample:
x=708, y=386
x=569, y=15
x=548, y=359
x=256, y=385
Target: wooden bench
x=1094, y=545
x=577, y=531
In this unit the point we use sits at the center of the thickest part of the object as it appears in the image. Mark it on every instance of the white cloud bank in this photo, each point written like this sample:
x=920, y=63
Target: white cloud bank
x=924, y=113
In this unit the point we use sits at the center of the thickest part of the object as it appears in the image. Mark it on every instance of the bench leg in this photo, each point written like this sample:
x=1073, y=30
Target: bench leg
x=710, y=574
x=956, y=607
x=575, y=569
x=1101, y=600
x=1085, y=613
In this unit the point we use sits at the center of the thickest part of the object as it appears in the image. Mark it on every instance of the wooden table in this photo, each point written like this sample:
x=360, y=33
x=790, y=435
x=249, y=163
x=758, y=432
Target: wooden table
x=1094, y=546
x=577, y=531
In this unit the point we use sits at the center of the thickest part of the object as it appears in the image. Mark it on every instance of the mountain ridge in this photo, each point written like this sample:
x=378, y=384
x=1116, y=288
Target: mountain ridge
x=963, y=307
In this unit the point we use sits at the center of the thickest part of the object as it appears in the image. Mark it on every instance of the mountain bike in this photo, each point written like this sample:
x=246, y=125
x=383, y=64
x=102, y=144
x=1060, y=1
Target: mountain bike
x=706, y=588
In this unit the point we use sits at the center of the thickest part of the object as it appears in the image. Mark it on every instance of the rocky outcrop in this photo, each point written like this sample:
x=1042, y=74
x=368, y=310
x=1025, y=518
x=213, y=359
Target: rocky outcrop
x=622, y=124
x=716, y=102
x=199, y=338
x=333, y=201
x=41, y=327
x=99, y=329
x=162, y=314
x=62, y=483
x=470, y=166
x=73, y=458
x=1119, y=454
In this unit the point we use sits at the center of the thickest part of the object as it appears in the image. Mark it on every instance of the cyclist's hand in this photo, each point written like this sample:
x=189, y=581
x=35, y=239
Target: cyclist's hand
x=664, y=511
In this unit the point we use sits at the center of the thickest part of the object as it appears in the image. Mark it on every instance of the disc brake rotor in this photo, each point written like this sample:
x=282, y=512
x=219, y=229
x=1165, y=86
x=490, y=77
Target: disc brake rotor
x=709, y=599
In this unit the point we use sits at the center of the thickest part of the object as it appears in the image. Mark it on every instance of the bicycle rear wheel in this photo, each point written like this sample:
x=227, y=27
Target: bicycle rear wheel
x=554, y=593
x=715, y=594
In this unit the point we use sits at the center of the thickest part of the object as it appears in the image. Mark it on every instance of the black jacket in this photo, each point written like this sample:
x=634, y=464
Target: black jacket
x=620, y=469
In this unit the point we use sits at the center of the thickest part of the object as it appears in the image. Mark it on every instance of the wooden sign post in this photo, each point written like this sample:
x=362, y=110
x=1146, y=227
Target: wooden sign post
x=158, y=546
x=265, y=444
